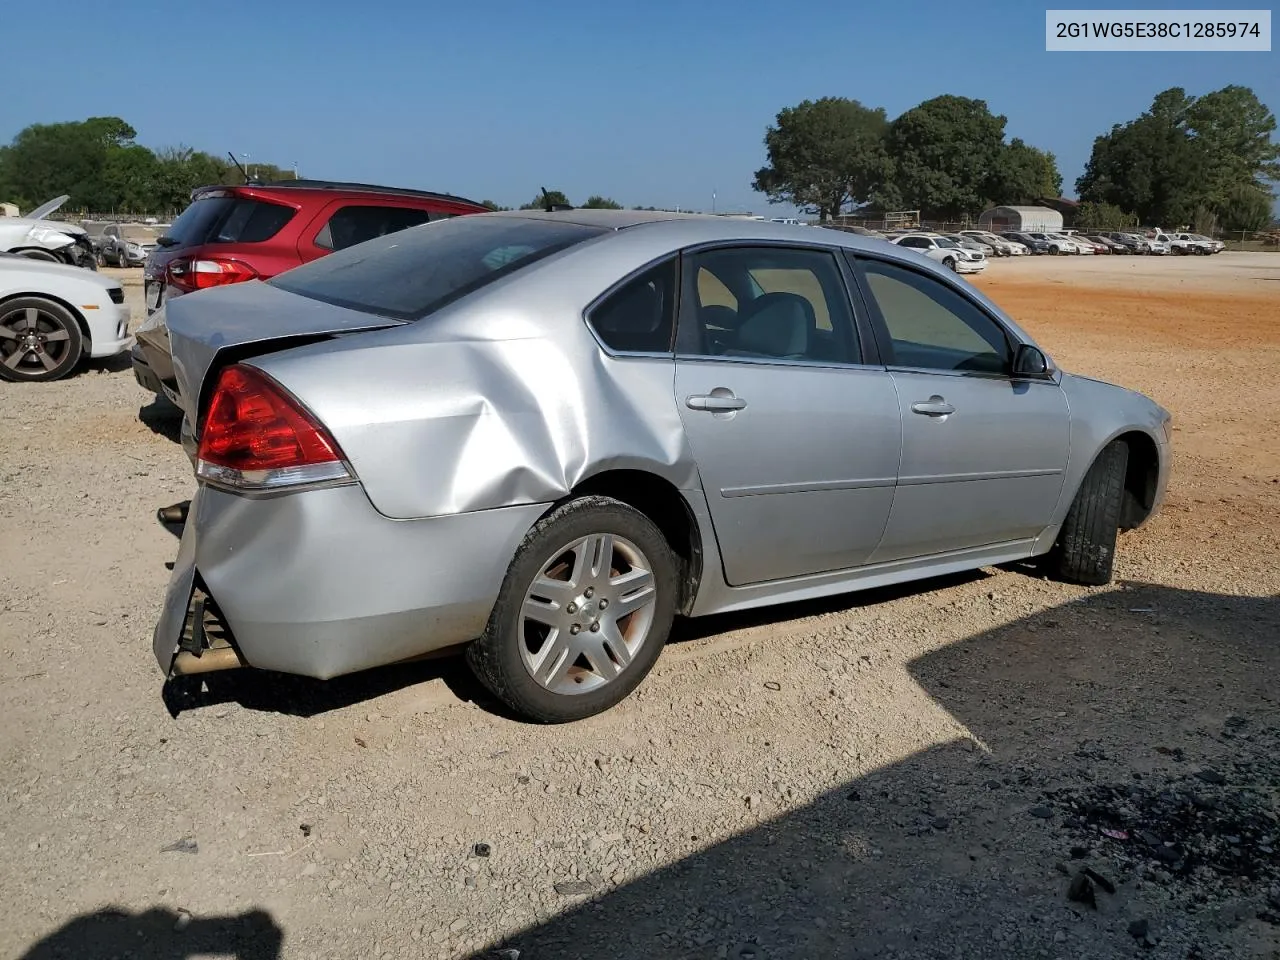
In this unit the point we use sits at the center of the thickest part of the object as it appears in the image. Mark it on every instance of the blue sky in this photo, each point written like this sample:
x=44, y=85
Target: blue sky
x=651, y=103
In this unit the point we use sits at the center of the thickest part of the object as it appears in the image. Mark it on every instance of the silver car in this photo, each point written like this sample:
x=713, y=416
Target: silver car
x=545, y=435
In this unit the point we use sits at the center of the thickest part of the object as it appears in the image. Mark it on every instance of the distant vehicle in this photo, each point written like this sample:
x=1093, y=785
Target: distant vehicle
x=972, y=243
x=53, y=241
x=1054, y=243
x=53, y=315
x=534, y=452
x=998, y=245
x=795, y=222
x=128, y=244
x=1096, y=246
x=230, y=234
x=1033, y=245
x=1204, y=245
x=94, y=229
x=1164, y=243
x=1136, y=243
x=947, y=252
x=1111, y=246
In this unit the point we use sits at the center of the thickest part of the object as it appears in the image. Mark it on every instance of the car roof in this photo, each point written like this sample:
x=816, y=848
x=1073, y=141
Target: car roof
x=335, y=187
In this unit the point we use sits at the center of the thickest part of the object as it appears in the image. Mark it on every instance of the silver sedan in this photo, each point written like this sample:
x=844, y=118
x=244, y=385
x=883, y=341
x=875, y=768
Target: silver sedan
x=544, y=435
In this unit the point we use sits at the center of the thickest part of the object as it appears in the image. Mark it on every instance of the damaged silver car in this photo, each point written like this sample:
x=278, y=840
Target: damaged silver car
x=35, y=237
x=545, y=435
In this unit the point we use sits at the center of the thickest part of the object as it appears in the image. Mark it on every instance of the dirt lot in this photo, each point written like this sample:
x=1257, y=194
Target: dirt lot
x=913, y=773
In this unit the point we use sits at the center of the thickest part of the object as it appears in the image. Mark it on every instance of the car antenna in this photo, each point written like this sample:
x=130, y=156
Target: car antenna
x=242, y=170
x=552, y=207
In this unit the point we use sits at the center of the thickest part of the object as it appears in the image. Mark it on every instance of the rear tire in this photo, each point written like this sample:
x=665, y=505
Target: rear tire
x=1086, y=547
x=594, y=657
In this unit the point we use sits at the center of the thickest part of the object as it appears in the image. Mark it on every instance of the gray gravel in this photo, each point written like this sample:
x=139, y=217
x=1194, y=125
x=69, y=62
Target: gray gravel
x=853, y=778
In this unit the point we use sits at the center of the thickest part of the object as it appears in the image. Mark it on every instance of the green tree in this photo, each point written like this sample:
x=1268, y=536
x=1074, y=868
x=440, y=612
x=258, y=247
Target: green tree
x=1103, y=216
x=1246, y=207
x=1024, y=174
x=1235, y=128
x=1184, y=158
x=553, y=197
x=824, y=154
x=490, y=205
x=947, y=155
x=596, y=202
x=46, y=160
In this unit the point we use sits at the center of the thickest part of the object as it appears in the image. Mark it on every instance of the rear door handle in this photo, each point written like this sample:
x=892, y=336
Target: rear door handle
x=712, y=402
x=935, y=406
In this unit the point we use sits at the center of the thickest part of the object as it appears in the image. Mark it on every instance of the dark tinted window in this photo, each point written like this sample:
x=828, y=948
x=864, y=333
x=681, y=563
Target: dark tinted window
x=932, y=326
x=407, y=275
x=251, y=221
x=772, y=303
x=640, y=316
x=351, y=225
x=223, y=219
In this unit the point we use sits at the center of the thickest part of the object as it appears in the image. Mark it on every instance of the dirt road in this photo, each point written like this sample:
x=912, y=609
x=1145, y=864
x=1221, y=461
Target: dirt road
x=913, y=773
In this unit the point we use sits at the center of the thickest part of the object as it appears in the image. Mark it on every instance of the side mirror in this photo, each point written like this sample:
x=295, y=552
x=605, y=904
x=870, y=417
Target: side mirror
x=1030, y=361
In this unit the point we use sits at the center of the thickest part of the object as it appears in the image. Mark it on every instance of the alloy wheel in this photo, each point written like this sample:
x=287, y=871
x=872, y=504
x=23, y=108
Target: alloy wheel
x=587, y=614
x=33, y=341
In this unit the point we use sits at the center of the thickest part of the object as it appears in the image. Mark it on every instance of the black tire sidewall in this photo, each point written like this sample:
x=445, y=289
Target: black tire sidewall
x=75, y=341
x=495, y=657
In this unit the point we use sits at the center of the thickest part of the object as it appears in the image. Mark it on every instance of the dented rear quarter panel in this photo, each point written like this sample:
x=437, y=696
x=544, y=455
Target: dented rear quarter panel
x=502, y=399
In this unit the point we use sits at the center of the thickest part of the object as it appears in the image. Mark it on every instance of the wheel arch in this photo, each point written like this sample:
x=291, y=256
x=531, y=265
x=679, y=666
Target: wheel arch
x=1142, y=477
x=662, y=502
x=81, y=322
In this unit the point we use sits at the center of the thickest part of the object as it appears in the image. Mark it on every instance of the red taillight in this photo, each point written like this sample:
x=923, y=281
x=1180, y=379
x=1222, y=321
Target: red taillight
x=258, y=436
x=201, y=273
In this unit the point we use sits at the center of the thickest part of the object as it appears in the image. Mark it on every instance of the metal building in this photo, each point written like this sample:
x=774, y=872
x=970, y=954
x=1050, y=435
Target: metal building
x=1021, y=220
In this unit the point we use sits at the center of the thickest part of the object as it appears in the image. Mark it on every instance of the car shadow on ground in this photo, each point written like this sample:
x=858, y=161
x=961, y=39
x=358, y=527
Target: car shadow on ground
x=306, y=697
x=162, y=417
x=161, y=934
x=968, y=848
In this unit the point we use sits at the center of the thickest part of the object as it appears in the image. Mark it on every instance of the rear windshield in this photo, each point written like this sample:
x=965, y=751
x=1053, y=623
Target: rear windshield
x=409, y=274
x=228, y=220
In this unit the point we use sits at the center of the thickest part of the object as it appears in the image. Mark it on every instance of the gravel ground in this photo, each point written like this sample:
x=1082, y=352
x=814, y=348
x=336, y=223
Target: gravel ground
x=915, y=773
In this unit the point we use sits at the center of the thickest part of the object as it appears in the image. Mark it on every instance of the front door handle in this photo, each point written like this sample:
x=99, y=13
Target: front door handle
x=713, y=402
x=935, y=406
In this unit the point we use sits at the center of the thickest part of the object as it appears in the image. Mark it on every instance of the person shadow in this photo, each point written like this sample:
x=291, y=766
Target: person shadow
x=161, y=934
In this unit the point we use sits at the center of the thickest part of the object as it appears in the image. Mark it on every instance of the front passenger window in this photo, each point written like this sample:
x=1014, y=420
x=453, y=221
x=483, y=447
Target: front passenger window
x=932, y=326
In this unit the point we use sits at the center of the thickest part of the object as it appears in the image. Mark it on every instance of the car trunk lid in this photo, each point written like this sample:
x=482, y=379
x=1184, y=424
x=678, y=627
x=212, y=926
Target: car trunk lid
x=229, y=324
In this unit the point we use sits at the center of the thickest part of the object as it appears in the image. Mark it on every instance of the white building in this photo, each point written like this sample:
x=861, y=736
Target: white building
x=1021, y=220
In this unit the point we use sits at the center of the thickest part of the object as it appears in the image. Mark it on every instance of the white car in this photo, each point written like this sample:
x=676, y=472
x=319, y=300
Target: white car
x=52, y=316
x=947, y=252
x=1074, y=245
x=1056, y=243
x=52, y=241
x=1204, y=245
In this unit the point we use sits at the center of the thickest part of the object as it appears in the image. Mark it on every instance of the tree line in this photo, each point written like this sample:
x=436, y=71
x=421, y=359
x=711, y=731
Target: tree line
x=98, y=164
x=1204, y=160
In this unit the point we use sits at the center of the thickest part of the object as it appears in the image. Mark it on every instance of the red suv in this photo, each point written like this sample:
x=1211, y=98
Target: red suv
x=254, y=231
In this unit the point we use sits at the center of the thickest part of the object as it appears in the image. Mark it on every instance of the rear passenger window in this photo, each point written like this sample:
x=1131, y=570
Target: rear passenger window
x=640, y=316
x=251, y=221
x=351, y=225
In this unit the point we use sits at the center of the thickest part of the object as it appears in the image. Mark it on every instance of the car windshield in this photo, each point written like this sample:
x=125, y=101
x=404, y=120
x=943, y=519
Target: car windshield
x=408, y=274
x=944, y=242
x=139, y=232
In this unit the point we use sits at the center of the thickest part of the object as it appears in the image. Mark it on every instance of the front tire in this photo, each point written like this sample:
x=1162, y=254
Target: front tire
x=582, y=615
x=1086, y=547
x=950, y=264
x=39, y=340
